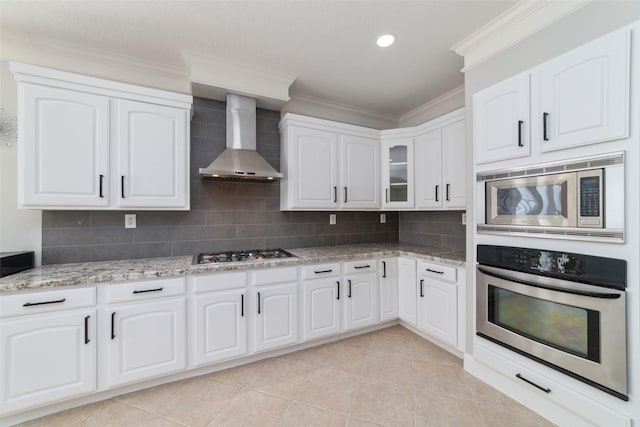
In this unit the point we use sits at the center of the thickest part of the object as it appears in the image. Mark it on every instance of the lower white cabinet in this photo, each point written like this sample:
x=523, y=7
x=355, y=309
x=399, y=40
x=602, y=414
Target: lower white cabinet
x=276, y=315
x=407, y=290
x=388, y=273
x=361, y=300
x=321, y=307
x=438, y=302
x=47, y=357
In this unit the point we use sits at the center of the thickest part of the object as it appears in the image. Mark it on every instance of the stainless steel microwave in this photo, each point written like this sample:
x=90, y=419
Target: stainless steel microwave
x=577, y=195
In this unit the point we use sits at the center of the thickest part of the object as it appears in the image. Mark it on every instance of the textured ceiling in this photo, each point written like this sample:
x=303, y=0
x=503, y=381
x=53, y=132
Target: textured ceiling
x=329, y=46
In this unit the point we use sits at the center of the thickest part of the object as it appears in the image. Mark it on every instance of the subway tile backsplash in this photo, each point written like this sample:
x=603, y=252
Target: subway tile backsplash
x=439, y=228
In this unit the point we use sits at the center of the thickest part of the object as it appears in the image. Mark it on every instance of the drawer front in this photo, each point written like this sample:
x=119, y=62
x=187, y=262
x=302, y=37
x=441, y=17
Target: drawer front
x=437, y=271
x=42, y=302
x=218, y=281
x=319, y=271
x=135, y=291
x=275, y=275
x=362, y=266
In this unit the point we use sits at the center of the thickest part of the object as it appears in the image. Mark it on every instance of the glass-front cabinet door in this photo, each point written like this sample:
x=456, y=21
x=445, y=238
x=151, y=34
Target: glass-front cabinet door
x=397, y=173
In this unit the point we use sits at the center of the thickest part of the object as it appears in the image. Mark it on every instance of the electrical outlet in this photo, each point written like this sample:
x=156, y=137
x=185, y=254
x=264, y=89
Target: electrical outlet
x=332, y=219
x=130, y=221
x=464, y=219
x=383, y=218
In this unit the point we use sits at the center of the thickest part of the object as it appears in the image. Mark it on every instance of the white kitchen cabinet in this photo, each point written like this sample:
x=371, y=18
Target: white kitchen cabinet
x=152, y=155
x=72, y=125
x=388, y=273
x=501, y=122
x=328, y=165
x=440, y=179
x=47, y=347
x=361, y=300
x=143, y=332
x=584, y=94
x=397, y=173
x=276, y=316
x=438, y=302
x=63, y=149
x=407, y=290
x=322, y=303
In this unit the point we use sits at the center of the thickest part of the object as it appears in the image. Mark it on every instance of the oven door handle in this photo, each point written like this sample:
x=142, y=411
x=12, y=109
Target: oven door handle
x=551, y=288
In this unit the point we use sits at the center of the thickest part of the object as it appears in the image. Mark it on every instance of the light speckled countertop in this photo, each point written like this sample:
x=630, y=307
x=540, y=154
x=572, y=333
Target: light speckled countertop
x=56, y=275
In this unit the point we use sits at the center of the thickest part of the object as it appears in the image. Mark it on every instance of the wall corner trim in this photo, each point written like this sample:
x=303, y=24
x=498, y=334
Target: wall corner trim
x=511, y=27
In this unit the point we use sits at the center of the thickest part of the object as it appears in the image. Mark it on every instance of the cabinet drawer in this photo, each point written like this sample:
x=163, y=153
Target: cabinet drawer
x=361, y=266
x=275, y=275
x=41, y=302
x=134, y=291
x=218, y=281
x=437, y=271
x=321, y=270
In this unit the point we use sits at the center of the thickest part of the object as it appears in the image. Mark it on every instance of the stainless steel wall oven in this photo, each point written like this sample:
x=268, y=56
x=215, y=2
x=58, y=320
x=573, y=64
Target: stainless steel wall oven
x=564, y=310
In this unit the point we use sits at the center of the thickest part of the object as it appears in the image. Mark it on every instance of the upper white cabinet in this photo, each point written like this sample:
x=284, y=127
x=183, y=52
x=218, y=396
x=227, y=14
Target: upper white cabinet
x=328, y=165
x=397, y=173
x=575, y=99
x=501, y=120
x=88, y=143
x=584, y=94
x=440, y=179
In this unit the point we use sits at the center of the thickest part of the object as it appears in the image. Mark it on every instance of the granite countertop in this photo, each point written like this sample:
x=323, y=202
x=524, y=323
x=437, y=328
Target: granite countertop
x=56, y=275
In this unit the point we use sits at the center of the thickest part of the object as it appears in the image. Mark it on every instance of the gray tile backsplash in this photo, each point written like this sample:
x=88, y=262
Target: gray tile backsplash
x=443, y=229
x=223, y=216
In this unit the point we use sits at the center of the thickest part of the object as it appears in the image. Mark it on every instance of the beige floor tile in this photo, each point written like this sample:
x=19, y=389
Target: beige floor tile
x=239, y=375
x=328, y=389
x=395, y=344
x=434, y=409
x=108, y=413
x=339, y=358
x=252, y=409
x=358, y=422
x=422, y=349
x=398, y=330
x=381, y=402
x=388, y=367
x=298, y=414
x=302, y=357
x=277, y=377
x=483, y=393
x=513, y=414
x=359, y=341
x=441, y=379
x=152, y=399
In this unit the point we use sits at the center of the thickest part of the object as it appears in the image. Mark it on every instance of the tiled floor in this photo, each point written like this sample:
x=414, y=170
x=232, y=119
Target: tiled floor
x=390, y=377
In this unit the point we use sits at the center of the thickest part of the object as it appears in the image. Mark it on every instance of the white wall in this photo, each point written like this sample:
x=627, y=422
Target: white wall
x=20, y=230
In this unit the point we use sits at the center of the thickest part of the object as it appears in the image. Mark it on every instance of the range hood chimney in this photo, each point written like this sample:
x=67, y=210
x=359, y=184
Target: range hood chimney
x=240, y=162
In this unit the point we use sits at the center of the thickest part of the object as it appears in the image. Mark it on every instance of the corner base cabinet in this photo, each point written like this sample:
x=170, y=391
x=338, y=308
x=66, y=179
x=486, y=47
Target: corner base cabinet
x=438, y=301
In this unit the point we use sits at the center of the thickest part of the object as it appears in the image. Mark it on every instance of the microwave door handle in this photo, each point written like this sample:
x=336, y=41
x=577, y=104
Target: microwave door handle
x=551, y=288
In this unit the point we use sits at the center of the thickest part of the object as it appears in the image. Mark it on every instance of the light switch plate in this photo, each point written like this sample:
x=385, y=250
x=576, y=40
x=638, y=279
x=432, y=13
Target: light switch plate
x=383, y=218
x=332, y=218
x=130, y=221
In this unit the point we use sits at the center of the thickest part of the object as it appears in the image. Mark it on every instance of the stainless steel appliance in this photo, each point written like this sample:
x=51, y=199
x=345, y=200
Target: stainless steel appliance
x=582, y=197
x=237, y=256
x=564, y=310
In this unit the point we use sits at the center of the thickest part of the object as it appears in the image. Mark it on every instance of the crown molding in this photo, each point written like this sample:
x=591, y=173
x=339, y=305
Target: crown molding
x=525, y=18
x=454, y=96
x=93, y=62
x=226, y=76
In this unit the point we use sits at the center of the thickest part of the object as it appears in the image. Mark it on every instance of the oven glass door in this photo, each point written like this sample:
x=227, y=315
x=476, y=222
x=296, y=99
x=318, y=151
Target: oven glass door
x=547, y=200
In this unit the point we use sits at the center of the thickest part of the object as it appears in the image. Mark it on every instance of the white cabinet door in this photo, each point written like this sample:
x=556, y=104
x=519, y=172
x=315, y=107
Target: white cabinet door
x=454, y=166
x=360, y=187
x=45, y=358
x=428, y=170
x=153, y=147
x=584, y=94
x=144, y=340
x=322, y=302
x=397, y=173
x=63, y=148
x=361, y=302
x=315, y=168
x=276, y=317
x=438, y=309
x=388, y=289
x=407, y=290
x=219, y=326
x=501, y=120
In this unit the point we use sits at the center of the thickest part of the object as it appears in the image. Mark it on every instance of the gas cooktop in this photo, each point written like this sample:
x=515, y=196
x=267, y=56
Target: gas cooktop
x=237, y=256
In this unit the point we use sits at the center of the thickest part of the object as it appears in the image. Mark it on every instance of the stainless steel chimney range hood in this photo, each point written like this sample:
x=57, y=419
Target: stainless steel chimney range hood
x=240, y=162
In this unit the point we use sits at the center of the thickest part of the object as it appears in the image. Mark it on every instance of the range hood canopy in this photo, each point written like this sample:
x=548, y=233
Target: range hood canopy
x=240, y=162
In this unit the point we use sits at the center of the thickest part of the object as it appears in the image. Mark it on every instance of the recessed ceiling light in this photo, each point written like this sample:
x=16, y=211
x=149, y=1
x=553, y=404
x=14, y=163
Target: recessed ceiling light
x=385, y=40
